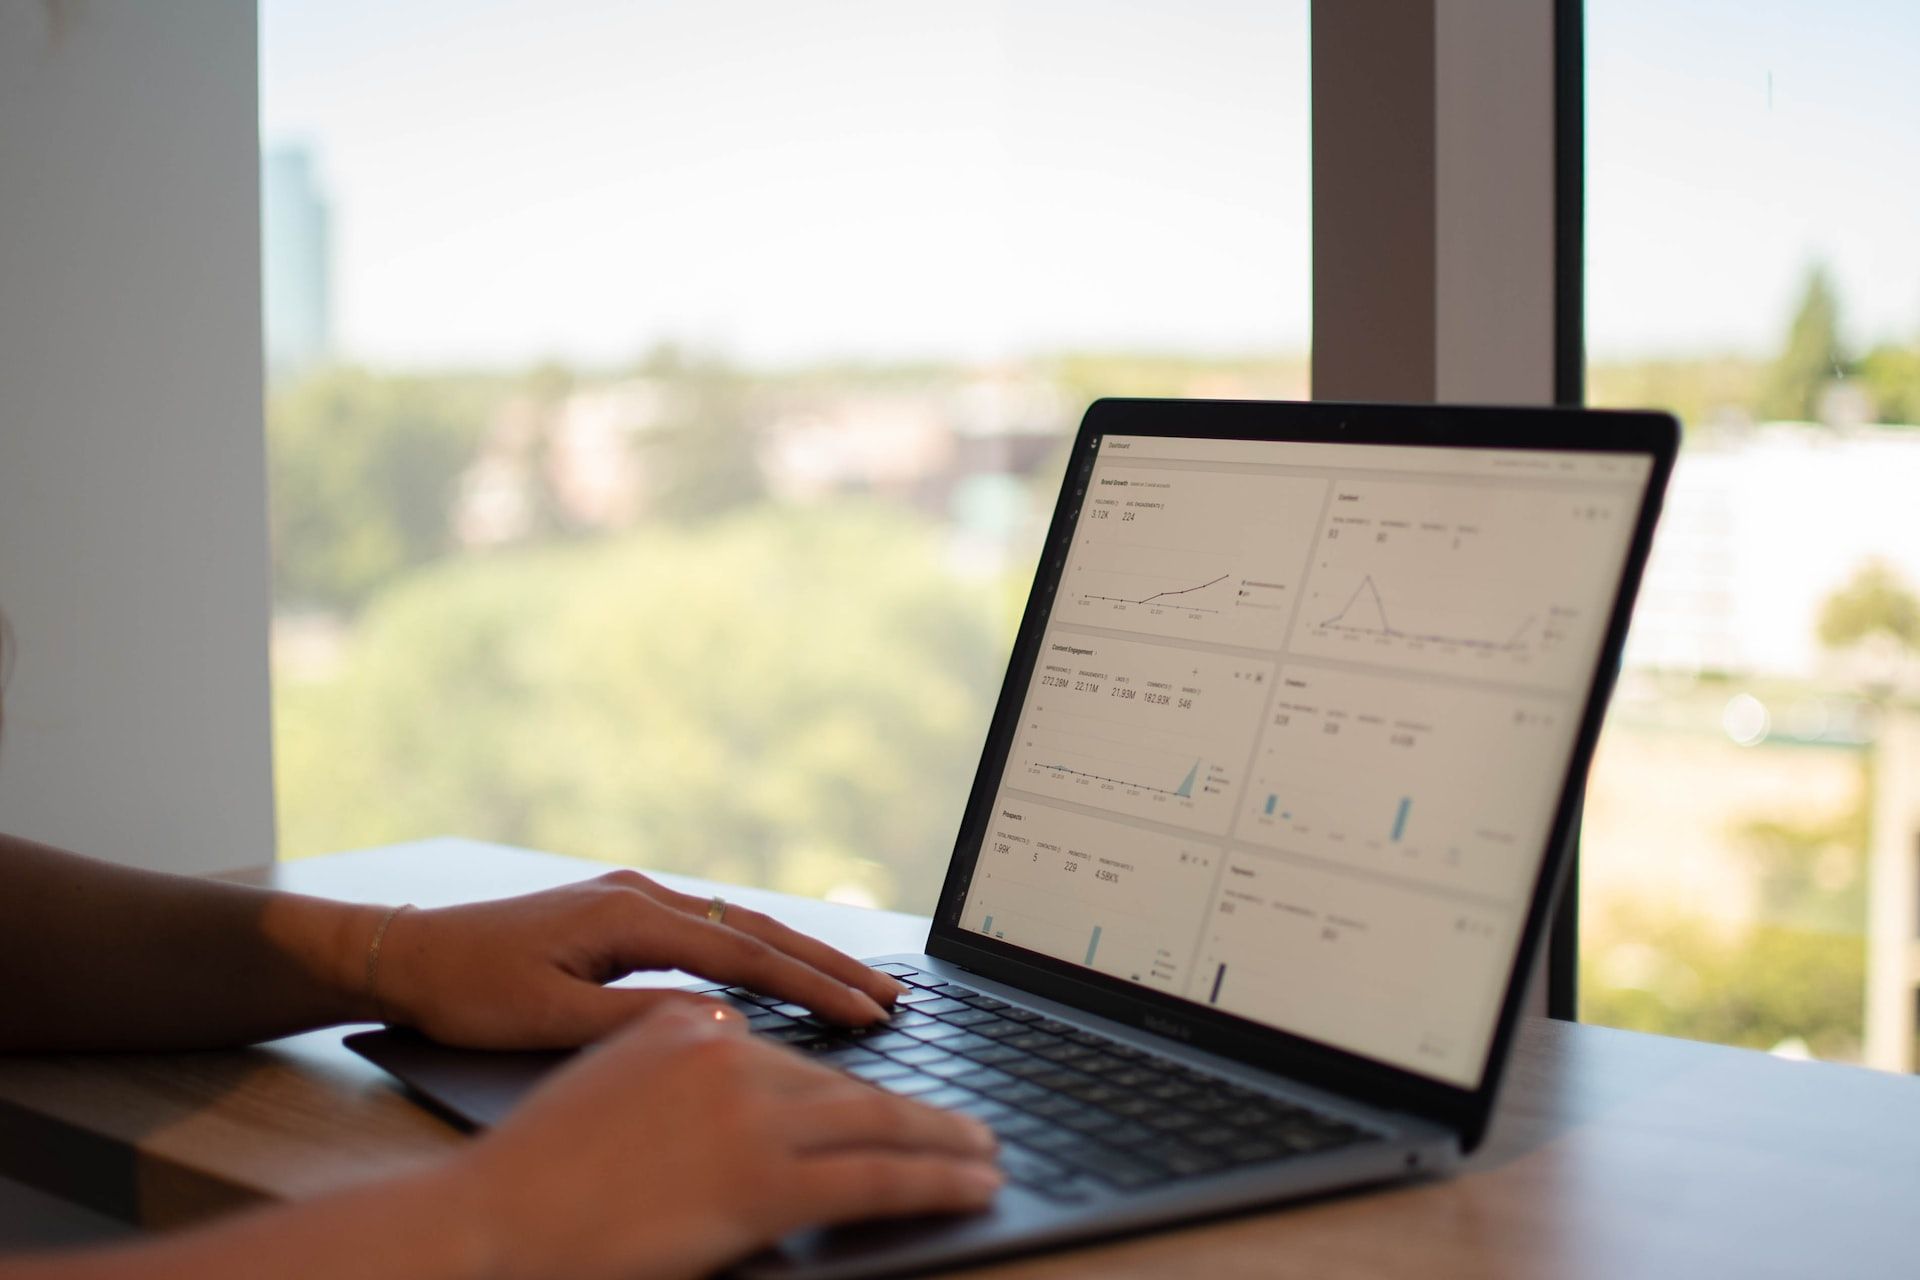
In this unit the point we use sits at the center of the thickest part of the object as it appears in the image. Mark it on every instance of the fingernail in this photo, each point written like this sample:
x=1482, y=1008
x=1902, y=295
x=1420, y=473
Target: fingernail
x=876, y=1012
x=899, y=988
x=983, y=1138
x=983, y=1179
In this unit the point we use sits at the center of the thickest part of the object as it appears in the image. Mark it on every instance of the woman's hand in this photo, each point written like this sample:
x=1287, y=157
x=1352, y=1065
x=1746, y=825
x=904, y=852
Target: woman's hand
x=682, y=1145
x=670, y=1150
x=529, y=972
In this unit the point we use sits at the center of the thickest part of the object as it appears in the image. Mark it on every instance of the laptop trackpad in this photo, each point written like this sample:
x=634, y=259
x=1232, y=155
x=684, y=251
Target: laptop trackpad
x=477, y=1088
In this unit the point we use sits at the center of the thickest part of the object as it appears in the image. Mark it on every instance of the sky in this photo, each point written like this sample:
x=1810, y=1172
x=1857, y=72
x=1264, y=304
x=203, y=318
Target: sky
x=879, y=178
x=515, y=180
x=1731, y=144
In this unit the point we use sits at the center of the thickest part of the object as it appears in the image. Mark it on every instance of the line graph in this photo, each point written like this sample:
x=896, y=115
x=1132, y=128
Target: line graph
x=1184, y=790
x=1478, y=582
x=1204, y=556
x=1165, y=595
x=1119, y=753
x=1384, y=626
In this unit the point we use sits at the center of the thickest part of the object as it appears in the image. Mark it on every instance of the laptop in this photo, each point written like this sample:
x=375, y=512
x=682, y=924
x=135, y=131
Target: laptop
x=1268, y=826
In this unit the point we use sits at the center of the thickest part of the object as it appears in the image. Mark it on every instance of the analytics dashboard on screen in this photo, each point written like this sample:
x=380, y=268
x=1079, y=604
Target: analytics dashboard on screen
x=1298, y=725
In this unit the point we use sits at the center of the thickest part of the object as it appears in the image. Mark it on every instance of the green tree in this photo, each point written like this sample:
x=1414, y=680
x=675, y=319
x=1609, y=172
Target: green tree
x=1891, y=374
x=1875, y=601
x=1812, y=357
x=362, y=469
x=705, y=457
x=729, y=698
x=1756, y=987
x=1702, y=392
x=1797, y=971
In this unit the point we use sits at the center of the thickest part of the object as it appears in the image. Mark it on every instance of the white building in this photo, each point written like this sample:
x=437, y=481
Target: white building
x=1759, y=530
x=296, y=228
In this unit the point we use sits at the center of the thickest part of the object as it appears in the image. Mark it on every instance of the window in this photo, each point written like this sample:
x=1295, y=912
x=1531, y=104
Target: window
x=1751, y=264
x=666, y=400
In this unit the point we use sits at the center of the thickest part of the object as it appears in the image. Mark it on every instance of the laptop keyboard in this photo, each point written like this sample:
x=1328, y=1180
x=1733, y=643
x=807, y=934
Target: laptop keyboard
x=1073, y=1110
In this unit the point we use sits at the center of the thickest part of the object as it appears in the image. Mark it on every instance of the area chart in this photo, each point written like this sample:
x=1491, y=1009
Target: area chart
x=1142, y=730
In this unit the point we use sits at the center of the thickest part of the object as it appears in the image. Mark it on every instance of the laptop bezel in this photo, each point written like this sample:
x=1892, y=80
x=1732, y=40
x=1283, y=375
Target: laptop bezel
x=1465, y=1110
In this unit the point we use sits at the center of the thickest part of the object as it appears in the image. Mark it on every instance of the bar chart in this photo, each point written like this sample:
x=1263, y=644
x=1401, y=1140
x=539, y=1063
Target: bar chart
x=1289, y=945
x=1120, y=900
x=1450, y=786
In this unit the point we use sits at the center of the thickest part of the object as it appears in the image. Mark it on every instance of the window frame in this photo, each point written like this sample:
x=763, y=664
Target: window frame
x=1449, y=232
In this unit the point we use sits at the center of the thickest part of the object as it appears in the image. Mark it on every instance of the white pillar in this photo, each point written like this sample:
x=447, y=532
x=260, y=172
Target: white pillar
x=133, y=533
x=1893, y=893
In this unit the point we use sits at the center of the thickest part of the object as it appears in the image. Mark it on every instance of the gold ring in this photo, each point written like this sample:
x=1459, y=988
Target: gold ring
x=717, y=910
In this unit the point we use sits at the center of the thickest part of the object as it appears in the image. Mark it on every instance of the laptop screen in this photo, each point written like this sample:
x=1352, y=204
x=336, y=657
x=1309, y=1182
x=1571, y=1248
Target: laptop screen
x=1298, y=726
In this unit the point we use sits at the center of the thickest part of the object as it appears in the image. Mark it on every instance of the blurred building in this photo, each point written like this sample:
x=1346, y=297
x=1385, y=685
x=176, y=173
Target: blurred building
x=963, y=450
x=924, y=446
x=296, y=229
x=570, y=464
x=1760, y=528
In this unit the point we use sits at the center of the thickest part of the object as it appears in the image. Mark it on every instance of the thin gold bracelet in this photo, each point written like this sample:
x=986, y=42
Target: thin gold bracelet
x=373, y=959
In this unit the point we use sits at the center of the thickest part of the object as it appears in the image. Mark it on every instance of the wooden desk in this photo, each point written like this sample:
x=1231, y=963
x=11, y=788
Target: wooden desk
x=1615, y=1154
